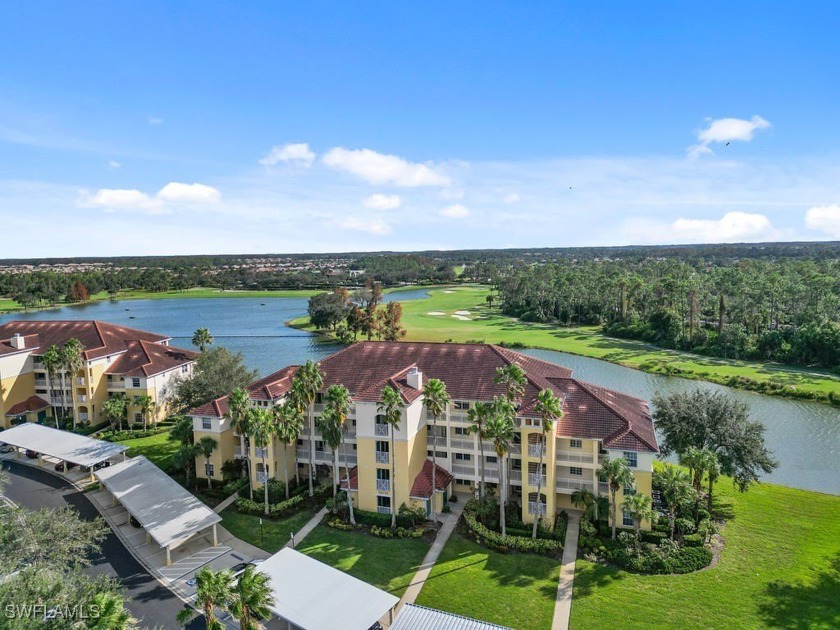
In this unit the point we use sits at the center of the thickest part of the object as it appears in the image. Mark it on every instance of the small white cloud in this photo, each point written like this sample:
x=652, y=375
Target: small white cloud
x=379, y=168
x=298, y=153
x=379, y=201
x=113, y=164
x=122, y=199
x=725, y=130
x=155, y=121
x=825, y=219
x=456, y=211
x=512, y=198
x=356, y=224
x=189, y=193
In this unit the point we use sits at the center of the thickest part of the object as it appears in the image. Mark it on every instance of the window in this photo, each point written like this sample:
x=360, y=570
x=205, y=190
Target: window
x=461, y=405
x=440, y=454
x=629, y=491
x=300, y=442
x=491, y=459
x=185, y=369
x=462, y=431
x=575, y=470
x=462, y=482
x=516, y=464
x=575, y=443
x=382, y=447
x=465, y=457
x=206, y=424
x=627, y=519
x=383, y=504
x=208, y=470
x=631, y=457
x=383, y=473
x=135, y=382
x=138, y=417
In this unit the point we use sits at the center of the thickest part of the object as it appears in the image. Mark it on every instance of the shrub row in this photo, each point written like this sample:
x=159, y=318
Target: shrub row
x=682, y=560
x=508, y=542
x=371, y=519
x=375, y=530
x=120, y=436
x=246, y=506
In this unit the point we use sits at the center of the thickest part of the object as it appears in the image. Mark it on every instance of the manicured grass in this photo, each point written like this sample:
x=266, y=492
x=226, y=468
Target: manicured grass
x=513, y=590
x=489, y=325
x=275, y=533
x=157, y=448
x=388, y=564
x=780, y=568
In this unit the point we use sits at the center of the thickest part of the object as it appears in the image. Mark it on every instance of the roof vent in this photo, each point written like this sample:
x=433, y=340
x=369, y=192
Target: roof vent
x=415, y=378
x=18, y=341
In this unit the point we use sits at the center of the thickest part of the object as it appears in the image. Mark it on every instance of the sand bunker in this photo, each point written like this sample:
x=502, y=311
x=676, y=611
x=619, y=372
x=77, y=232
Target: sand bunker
x=447, y=291
x=462, y=312
x=435, y=313
x=461, y=317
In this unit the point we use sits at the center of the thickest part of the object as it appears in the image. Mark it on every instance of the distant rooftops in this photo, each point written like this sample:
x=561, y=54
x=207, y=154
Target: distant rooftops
x=620, y=421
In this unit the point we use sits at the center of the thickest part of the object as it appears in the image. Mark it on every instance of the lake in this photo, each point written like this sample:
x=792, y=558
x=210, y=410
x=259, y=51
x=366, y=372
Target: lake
x=805, y=437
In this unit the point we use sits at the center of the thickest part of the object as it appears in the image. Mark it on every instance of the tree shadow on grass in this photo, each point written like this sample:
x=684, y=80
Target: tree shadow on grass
x=804, y=606
x=591, y=577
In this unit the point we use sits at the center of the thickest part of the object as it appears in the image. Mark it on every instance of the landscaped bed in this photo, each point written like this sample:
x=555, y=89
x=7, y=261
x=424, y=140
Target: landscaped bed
x=515, y=590
x=387, y=563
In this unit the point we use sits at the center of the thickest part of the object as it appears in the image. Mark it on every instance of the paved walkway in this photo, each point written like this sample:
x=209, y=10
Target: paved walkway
x=563, y=602
x=419, y=579
x=311, y=524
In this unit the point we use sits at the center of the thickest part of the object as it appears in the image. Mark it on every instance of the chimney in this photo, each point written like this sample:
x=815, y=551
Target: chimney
x=18, y=342
x=415, y=378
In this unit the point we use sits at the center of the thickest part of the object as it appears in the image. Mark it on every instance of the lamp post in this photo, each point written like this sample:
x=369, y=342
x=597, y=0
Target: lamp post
x=261, y=532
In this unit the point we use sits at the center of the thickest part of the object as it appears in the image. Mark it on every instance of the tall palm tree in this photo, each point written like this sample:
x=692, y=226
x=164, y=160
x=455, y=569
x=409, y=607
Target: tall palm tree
x=328, y=425
x=238, y=401
x=147, y=406
x=338, y=402
x=184, y=459
x=214, y=589
x=618, y=475
x=435, y=400
x=251, y=599
x=260, y=425
x=115, y=409
x=202, y=338
x=287, y=427
x=639, y=507
x=306, y=383
x=512, y=376
x=675, y=485
x=182, y=431
x=713, y=472
x=206, y=446
x=390, y=407
x=550, y=408
x=500, y=428
x=477, y=415
x=52, y=362
x=72, y=361
x=695, y=460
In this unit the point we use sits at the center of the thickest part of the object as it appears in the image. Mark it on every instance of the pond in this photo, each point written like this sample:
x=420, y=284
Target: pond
x=805, y=437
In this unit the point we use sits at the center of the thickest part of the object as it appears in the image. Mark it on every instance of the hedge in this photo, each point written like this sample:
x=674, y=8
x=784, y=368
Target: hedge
x=372, y=519
x=257, y=508
x=686, y=559
x=506, y=543
x=120, y=436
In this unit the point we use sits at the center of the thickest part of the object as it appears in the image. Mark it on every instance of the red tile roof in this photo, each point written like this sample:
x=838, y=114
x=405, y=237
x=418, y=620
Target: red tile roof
x=217, y=408
x=33, y=403
x=147, y=359
x=422, y=486
x=29, y=343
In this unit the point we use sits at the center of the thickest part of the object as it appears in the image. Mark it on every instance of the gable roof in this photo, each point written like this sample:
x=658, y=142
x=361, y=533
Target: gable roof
x=422, y=486
x=143, y=358
x=33, y=403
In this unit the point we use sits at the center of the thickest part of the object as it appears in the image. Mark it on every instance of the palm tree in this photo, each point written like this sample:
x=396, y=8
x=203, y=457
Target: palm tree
x=618, y=475
x=513, y=378
x=328, y=425
x=111, y=613
x=182, y=431
x=72, y=361
x=147, y=407
x=184, y=459
x=206, y=446
x=435, y=400
x=639, y=507
x=251, y=599
x=202, y=338
x=306, y=384
x=238, y=402
x=695, y=460
x=287, y=427
x=584, y=500
x=214, y=589
x=52, y=362
x=675, y=484
x=477, y=415
x=390, y=407
x=260, y=424
x=713, y=471
x=338, y=402
x=115, y=409
x=500, y=428
x=550, y=408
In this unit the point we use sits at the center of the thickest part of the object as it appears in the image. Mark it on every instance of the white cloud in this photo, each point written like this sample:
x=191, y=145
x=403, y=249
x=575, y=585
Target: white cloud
x=379, y=201
x=155, y=121
x=725, y=130
x=374, y=226
x=298, y=153
x=824, y=219
x=379, y=168
x=512, y=198
x=732, y=227
x=113, y=164
x=456, y=211
x=188, y=193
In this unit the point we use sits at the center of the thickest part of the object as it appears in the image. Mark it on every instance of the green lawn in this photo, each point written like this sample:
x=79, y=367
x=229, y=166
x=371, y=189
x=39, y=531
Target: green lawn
x=780, y=568
x=158, y=448
x=513, y=590
x=489, y=325
x=388, y=564
x=275, y=533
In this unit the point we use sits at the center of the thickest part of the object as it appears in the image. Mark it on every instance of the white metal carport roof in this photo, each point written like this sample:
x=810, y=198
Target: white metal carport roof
x=314, y=596
x=70, y=447
x=168, y=512
x=413, y=617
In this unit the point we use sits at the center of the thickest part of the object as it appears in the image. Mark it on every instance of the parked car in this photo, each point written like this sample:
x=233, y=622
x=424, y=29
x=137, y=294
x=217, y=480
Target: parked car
x=134, y=522
x=31, y=454
x=239, y=568
x=104, y=464
x=59, y=467
x=6, y=448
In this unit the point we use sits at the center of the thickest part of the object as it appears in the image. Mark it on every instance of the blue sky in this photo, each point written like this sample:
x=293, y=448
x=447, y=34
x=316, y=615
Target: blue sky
x=198, y=127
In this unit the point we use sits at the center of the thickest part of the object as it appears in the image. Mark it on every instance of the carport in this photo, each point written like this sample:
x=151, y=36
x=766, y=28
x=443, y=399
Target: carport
x=80, y=450
x=168, y=513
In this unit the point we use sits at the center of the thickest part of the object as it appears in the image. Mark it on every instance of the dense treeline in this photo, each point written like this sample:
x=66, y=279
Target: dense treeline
x=349, y=314
x=780, y=310
x=404, y=268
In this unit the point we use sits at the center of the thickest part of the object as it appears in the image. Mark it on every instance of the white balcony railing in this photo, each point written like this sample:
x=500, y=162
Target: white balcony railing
x=536, y=508
x=460, y=418
x=515, y=475
x=83, y=417
x=462, y=444
x=261, y=452
x=383, y=510
x=564, y=483
x=40, y=382
x=535, y=479
x=82, y=398
x=515, y=449
x=56, y=400
x=603, y=487
x=239, y=453
x=460, y=469
x=80, y=380
x=535, y=450
x=383, y=485
x=569, y=456
x=116, y=385
x=381, y=430
x=381, y=457
x=262, y=476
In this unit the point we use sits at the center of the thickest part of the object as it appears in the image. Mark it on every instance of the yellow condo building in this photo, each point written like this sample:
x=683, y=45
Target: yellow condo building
x=115, y=359
x=596, y=422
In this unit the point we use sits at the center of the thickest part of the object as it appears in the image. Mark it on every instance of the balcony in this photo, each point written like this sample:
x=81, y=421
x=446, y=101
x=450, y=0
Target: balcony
x=56, y=400
x=515, y=475
x=83, y=417
x=468, y=445
x=460, y=469
x=382, y=457
x=317, y=407
x=302, y=453
x=564, y=483
x=261, y=452
x=536, y=450
x=262, y=476
x=80, y=380
x=515, y=449
x=347, y=460
x=116, y=385
x=578, y=458
x=535, y=479
x=460, y=418
x=381, y=430
x=82, y=398
x=239, y=453
x=603, y=487
x=40, y=382
x=383, y=510
x=536, y=508
x=383, y=485
x=323, y=455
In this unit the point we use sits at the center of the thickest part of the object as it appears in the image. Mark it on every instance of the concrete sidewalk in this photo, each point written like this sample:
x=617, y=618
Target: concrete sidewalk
x=311, y=524
x=563, y=601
